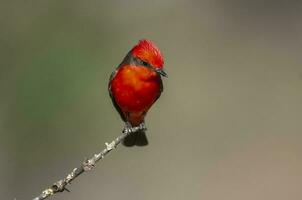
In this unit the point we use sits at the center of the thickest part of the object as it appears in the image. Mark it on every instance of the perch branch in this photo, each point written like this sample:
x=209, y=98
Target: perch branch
x=87, y=165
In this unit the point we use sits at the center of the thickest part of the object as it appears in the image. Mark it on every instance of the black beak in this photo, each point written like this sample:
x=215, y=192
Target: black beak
x=161, y=72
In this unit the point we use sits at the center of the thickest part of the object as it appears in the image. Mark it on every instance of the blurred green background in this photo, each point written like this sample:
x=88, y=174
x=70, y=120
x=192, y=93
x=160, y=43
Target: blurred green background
x=228, y=125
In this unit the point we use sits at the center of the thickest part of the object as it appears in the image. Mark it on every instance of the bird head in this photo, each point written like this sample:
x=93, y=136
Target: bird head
x=150, y=56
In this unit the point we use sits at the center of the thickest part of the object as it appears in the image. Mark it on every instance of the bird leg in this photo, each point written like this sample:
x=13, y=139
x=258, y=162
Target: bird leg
x=142, y=126
x=128, y=129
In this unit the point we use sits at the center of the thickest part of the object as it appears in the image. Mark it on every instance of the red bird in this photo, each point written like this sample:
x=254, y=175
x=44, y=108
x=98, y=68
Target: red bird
x=135, y=85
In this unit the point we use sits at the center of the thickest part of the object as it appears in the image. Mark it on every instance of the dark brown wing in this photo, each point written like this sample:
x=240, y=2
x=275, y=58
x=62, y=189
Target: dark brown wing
x=126, y=60
x=112, y=97
x=161, y=88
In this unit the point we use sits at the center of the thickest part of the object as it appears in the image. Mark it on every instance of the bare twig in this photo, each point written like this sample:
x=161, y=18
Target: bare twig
x=87, y=165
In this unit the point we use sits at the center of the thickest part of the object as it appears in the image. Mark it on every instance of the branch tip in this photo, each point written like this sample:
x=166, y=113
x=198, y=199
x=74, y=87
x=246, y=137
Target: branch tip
x=87, y=165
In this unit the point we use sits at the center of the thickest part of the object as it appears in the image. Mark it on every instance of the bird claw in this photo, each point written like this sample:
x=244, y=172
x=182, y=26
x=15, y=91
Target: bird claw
x=128, y=129
x=142, y=126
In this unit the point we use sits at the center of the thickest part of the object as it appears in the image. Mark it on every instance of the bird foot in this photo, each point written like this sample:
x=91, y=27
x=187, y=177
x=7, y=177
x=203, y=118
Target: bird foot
x=128, y=129
x=142, y=126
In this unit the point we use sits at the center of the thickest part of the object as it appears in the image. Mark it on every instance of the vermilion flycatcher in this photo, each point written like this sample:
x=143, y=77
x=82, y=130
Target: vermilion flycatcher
x=135, y=85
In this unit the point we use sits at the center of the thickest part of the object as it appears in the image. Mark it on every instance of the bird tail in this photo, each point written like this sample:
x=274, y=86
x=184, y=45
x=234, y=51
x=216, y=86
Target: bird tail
x=136, y=139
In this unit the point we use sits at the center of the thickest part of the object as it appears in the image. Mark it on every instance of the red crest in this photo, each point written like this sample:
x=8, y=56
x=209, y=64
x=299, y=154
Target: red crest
x=147, y=51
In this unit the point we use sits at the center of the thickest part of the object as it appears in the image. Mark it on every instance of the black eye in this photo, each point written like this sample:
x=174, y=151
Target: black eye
x=145, y=63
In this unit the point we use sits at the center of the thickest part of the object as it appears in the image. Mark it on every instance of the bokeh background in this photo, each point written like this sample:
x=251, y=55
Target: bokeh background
x=228, y=125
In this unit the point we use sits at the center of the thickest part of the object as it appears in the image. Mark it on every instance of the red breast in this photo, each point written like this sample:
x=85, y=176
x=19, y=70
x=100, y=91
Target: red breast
x=135, y=89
